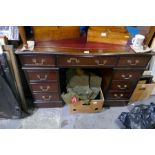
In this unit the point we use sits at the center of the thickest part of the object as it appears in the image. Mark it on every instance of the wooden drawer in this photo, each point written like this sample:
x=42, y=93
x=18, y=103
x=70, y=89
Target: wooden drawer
x=127, y=74
x=40, y=75
x=87, y=61
x=119, y=95
x=37, y=60
x=133, y=61
x=122, y=86
x=116, y=103
x=49, y=104
x=46, y=97
x=45, y=87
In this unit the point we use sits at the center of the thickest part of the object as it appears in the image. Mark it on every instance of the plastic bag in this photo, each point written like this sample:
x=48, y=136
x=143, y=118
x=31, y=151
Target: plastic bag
x=140, y=117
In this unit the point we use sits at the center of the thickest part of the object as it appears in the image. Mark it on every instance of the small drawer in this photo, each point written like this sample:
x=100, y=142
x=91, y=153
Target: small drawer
x=118, y=95
x=127, y=74
x=133, y=61
x=45, y=87
x=87, y=61
x=40, y=75
x=46, y=97
x=37, y=60
x=122, y=86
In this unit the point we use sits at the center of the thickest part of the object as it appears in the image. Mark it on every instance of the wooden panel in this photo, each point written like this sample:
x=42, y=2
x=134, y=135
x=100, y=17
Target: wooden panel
x=118, y=95
x=107, y=36
x=133, y=61
x=37, y=60
x=126, y=74
x=45, y=87
x=46, y=97
x=42, y=75
x=116, y=103
x=122, y=86
x=50, y=104
x=87, y=61
x=48, y=33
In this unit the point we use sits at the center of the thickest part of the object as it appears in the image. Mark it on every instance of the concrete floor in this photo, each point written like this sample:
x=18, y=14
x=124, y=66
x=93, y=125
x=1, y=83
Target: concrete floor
x=56, y=118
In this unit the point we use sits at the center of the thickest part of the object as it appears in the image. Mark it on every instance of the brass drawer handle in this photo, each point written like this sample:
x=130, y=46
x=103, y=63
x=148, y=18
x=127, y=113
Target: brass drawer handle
x=133, y=63
x=103, y=62
x=120, y=96
x=38, y=63
x=46, y=98
x=42, y=78
x=73, y=59
x=44, y=89
x=124, y=87
x=125, y=77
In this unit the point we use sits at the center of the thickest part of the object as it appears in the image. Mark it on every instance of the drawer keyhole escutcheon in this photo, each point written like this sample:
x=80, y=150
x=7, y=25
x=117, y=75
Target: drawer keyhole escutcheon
x=38, y=63
x=42, y=78
x=46, y=98
x=133, y=63
x=73, y=59
x=44, y=89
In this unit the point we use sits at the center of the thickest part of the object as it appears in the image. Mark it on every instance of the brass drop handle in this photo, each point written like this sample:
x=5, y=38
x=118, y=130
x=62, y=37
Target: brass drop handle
x=44, y=89
x=42, y=78
x=125, y=77
x=116, y=95
x=38, y=63
x=133, y=63
x=73, y=59
x=103, y=62
x=46, y=98
x=122, y=87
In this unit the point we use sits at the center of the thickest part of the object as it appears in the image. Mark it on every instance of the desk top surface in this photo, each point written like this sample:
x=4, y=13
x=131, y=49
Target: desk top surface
x=77, y=47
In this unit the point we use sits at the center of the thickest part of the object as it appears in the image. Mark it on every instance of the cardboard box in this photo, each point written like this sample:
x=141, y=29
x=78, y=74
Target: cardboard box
x=142, y=92
x=93, y=106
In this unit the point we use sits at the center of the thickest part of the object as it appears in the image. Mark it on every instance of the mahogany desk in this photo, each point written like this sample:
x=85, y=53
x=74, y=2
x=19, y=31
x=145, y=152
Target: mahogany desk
x=119, y=66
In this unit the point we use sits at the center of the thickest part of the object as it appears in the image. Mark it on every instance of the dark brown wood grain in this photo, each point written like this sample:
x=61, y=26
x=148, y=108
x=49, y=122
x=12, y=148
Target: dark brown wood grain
x=119, y=65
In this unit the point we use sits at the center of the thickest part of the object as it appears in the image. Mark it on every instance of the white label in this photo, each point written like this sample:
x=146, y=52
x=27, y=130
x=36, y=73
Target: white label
x=103, y=34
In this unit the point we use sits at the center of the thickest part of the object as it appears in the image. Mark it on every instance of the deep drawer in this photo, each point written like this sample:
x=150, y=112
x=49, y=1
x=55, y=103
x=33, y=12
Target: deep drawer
x=116, y=103
x=40, y=75
x=49, y=104
x=127, y=74
x=37, y=60
x=45, y=87
x=119, y=95
x=125, y=86
x=133, y=61
x=46, y=97
x=86, y=61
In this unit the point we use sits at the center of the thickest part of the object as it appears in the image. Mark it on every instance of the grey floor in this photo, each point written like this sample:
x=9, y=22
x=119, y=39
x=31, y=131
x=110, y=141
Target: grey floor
x=61, y=118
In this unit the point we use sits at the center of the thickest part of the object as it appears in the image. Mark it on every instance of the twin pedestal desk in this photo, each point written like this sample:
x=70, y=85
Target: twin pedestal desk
x=119, y=67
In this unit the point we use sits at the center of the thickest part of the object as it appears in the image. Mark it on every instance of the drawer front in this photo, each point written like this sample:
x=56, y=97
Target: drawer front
x=127, y=74
x=40, y=75
x=46, y=97
x=87, y=61
x=45, y=87
x=37, y=60
x=122, y=86
x=134, y=61
x=49, y=104
x=116, y=103
x=119, y=95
